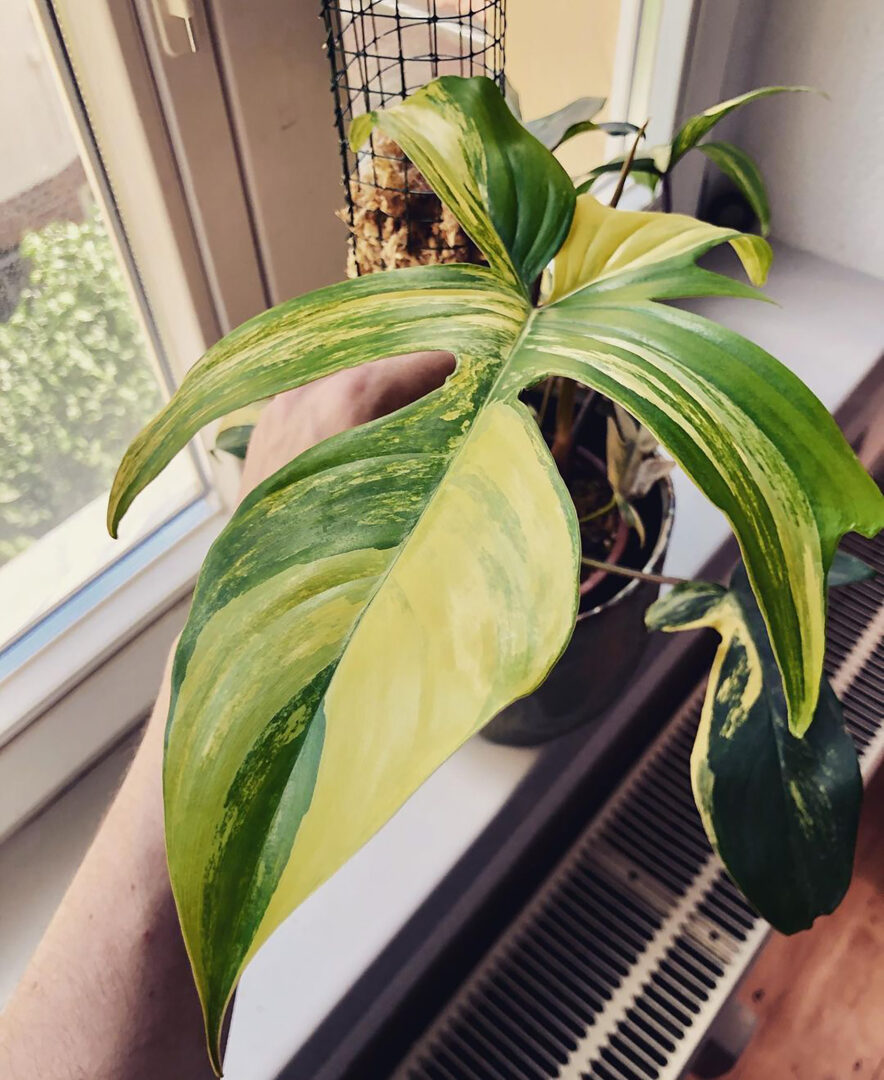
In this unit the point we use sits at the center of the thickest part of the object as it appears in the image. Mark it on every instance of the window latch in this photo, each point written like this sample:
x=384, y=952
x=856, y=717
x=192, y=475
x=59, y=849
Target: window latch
x=175, y=21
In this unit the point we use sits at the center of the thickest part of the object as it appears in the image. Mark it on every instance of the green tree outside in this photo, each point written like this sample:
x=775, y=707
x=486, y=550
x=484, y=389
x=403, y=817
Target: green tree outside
x=75, y=380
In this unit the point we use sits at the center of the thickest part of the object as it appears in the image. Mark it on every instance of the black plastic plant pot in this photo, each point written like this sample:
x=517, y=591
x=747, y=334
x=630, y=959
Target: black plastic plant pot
x=603, y=655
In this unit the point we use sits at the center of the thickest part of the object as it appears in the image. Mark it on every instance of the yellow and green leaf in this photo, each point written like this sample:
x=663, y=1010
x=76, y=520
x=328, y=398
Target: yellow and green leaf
x=693, y=129
x=782, y=812
x=746, y=430
x=505, y=188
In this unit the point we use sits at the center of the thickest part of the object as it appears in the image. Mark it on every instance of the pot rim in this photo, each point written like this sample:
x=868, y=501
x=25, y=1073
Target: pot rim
x=657, y=552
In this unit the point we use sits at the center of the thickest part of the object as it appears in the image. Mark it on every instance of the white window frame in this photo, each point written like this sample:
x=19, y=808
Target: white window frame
x=76, y=696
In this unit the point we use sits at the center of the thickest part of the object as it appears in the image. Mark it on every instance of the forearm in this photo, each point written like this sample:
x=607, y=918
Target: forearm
x=109, y=993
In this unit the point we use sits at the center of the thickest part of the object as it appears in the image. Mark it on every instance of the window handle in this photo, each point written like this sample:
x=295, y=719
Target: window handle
x=175, y=20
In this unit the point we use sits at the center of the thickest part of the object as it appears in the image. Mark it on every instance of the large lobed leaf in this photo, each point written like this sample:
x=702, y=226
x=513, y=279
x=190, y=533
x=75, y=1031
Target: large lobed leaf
x=367, y=609
x=379, y=598
x=781, y=811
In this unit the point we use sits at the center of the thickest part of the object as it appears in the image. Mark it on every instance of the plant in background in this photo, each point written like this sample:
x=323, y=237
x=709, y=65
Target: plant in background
x=381, y=597
x=74, y=381
x=654, y=168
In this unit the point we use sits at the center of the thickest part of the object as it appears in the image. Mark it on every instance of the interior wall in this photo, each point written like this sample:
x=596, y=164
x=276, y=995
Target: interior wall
x=558, y=50
x=823, y=160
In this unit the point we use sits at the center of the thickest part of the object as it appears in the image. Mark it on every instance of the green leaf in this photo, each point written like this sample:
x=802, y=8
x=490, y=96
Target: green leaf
x=693, y=129
x=782, y=812
x=848, y=569
x=745, y=173
x=750, y=435
x=643, y=165
x=379, y=598
x=235, y=430
x=507, y=191
x=563, y=124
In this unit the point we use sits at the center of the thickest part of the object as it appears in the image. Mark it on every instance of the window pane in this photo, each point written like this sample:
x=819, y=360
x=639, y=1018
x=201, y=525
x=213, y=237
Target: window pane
x=78, y=376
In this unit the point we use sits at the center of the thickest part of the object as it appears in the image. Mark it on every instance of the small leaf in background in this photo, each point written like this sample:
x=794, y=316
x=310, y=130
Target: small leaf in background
x=643, y=165
x=235, y=430
x=781, y=811
x=563, y=124
x=736, y=164
x=616, y=127
x=848, y=569
x=693, y=129
x=634, y=465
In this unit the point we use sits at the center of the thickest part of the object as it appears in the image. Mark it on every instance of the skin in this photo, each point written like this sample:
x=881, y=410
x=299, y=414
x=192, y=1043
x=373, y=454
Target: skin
x=108, y=994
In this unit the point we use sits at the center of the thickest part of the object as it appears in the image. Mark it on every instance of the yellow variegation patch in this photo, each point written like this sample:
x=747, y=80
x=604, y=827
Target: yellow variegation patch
x=605, y=244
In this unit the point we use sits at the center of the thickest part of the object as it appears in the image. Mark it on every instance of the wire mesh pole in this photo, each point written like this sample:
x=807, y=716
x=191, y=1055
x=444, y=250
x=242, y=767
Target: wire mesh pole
x=380, y=51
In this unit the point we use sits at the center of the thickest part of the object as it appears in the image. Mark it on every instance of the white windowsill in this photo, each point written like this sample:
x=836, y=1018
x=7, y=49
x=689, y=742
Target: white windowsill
x=78, y=692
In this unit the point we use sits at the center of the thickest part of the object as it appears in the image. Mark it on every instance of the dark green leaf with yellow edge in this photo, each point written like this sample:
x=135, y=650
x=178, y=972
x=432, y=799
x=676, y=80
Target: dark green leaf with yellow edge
x=781, y=811
x=505, y=188
x=695, y=128
x=744, y=172
x=382, y=596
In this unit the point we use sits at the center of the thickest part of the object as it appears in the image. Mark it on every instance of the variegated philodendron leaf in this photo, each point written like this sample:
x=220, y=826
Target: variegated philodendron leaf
x=379, y=598
x=782, y=812
x=505, y=188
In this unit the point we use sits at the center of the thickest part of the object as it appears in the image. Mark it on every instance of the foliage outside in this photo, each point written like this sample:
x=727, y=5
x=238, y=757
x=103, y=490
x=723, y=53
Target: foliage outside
x=75, y=383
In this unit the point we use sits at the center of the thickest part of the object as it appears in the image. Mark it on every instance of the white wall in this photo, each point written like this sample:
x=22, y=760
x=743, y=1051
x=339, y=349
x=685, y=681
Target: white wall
x=34, y=132
x=823, y=160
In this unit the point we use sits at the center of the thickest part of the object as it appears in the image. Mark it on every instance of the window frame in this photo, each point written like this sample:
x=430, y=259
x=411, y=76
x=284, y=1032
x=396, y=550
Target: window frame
x=72, y=699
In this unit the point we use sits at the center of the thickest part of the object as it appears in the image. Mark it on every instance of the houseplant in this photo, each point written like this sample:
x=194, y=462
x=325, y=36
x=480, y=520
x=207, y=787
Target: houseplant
x=377, y=600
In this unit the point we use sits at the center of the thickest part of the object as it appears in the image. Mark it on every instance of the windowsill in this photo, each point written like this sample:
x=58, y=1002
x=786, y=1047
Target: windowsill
x=828, y=330
x=89, y=672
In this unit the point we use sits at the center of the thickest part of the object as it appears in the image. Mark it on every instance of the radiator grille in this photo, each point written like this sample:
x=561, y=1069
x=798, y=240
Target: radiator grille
x=619, y=963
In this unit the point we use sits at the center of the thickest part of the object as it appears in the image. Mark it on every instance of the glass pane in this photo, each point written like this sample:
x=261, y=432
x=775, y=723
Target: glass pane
x=78, y=376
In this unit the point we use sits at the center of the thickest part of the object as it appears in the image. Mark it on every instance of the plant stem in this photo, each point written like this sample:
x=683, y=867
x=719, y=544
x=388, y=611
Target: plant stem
x=563, y=439
x=609, y=505
x=625, y=571
x=666, y=192
x=544, y=401
x=627, y=165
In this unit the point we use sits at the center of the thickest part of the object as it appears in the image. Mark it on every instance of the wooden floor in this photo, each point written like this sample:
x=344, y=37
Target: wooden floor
x=819, y=996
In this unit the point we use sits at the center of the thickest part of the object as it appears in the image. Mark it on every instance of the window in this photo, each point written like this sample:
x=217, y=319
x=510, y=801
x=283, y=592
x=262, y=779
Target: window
x=82, y=366
x=78, y=372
